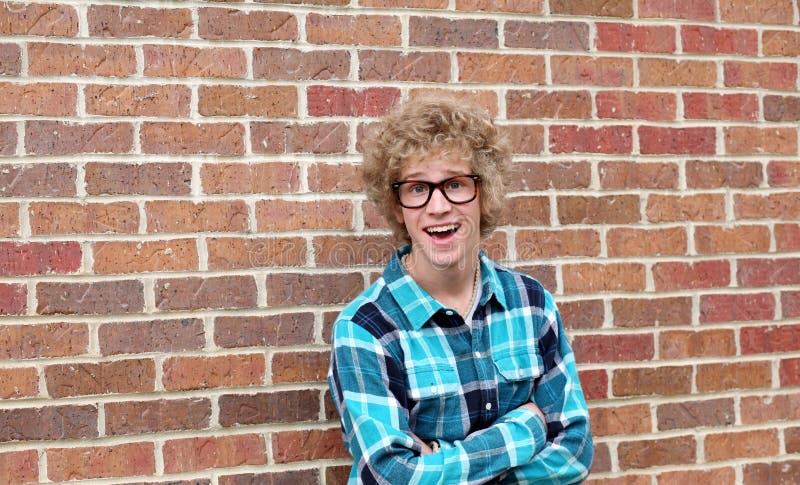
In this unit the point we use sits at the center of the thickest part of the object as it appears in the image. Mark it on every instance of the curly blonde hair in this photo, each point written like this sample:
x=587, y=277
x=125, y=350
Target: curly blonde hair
x=424, y=125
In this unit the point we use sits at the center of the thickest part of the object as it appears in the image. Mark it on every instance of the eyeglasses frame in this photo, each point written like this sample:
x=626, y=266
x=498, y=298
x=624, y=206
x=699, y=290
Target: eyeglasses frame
x=436, y=186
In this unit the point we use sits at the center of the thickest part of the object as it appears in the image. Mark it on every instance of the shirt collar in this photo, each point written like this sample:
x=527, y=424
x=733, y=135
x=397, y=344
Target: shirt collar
x=417, y=304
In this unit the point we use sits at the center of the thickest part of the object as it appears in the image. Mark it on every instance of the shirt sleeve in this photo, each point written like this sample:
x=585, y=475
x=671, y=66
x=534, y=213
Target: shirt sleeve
x=369, y=389
x=567, y=455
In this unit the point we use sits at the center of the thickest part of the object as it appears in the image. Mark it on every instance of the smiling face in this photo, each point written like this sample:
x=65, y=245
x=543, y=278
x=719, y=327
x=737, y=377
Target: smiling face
x=443, y=235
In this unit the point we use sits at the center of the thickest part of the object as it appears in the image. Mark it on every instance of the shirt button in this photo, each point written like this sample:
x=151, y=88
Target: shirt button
x=478, y=355
x=433, y=388
x=488, y=406
x=449, y=313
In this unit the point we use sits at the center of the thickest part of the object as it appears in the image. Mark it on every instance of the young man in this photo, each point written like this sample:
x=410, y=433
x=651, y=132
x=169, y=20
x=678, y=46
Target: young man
x=451, y=368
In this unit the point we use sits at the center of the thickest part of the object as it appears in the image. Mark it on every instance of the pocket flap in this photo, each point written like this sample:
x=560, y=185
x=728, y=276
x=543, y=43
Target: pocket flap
x=427, y=381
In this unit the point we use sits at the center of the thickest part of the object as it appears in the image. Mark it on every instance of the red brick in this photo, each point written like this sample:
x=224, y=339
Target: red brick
x=779, y=472
x=48, y=423
x=124, y=460
x=680, y=450
x=582, y=314
x=284, y=477
x=187, y=373
x=736, y=307
x=638, y=175
x=682, y=141
x=186, y=216
x=288, y=367
x=511, y=6
x=443, y=32
x=267, y=330
x=9, y=219
x=66, y=138
x=478, y=67
x=256, y=178
x=762, y=409
x=608, y=139
x=118, y=21
x=737, y=239
x=537, y=244
x=43, y=340
x=792, y=439
x=525, y=139
x=593, y=71
x=790, y=372
x=188, y=454
x=682, y=344
x=594, y=383
x=770, y=339
x=671, y=72
x=51, y=59
x=334, y=177
x=638, y=106
x=340, y=101
x=630, y=419
x=38, y=19
x=711, y=175
x=787, y=237
x=695, y=10
x=696, y=414
x=371, y=30
x=39, y=99
x=743, y=444
x=99, y=297
x=151, y=336
x=722, y=107
x=269, y=407
x=8, y=138
x=134, y=417
x=625, y=242
x=702, y=274
x=238, y=253
x=781, y=108
x=483, y=98
x=549, y=104
x=653, y=312
x=769, y=272
x=592, y=349
x=601, y=461
x=593, y=278
x=77, y=218
x=17, y=382
x=19, y=467
x=781, y=43
x=397, y=66
x=266, y=101
x=790, y=303
x=304, y=445
x=280, y=137
x=288, y=289
x=294, y=65
x=118, y=178
x=113, y=377
x=192, y=138
x=613, y=8
x=117, y=257
x=610, y=209
x=10, y=59
x=747, y=140
x=677, y=208
x=562, y=36
x=783, y=174
x=428, y=4
x=635, y=38
x=186, y=61
x=757, y=11
x=553, y=174
x=716, y=475
x=709, y=40
x=20, y=259
x=194, y=293
x=285, y=215
x=13, y=298
x=338, y=3
x=767, y=75
x=774, y=206
x=662, y=381
x=232, y=24
x=527, y=211
x=737, y=375
x=150, y=100
x=347, y=251
x=545, y=274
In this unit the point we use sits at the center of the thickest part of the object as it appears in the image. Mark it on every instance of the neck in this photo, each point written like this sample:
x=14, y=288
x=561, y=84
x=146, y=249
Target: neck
x=453, y=286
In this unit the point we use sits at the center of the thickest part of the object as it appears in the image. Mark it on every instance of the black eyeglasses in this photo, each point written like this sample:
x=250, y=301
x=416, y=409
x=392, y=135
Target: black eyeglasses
x=413, y=194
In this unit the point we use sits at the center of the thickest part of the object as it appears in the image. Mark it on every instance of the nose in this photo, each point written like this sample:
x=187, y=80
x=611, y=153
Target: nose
x=438, y=203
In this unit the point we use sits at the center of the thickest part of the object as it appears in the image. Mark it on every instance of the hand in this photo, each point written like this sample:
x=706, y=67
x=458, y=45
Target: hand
x=531, y=406
x=426, y=450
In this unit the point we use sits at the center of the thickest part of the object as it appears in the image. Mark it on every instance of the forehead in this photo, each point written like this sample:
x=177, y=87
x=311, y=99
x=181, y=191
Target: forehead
x=435, y=165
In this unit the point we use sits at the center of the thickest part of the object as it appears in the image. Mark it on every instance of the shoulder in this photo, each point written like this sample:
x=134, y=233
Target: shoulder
x=371, y=312
x=516, y=284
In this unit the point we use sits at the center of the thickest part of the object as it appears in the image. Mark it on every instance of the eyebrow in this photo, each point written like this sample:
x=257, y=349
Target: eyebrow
x=415, y=175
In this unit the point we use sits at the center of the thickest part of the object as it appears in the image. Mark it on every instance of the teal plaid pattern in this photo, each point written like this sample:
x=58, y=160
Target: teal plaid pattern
x=403, y=364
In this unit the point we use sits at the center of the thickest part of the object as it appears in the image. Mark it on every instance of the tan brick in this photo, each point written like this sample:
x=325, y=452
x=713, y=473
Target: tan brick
x=638, y=106
x=511, y=6
x=188, y=454
x=294, y=65
x=225, y=253
x=611, y=209
x=743, y=444
x=9, y=219
x=119, y=21
x=300, y=366
x=680, y=344
x=165, y=216
x=17, y=382
x=568, y=36
x=660, y=312
x=594, y=71
x=66, y=138
x=660, y=381
x=536, y=244
x=116, y=257
x=739, y=239
x=51, y=59
x=592, y=278
x=549, y=104
x=737, y=375
x=766, y=75
x=695, y=10
x=477, y=67
x=157, y=178
x=679, y=208
x=369, y=30
x=185, y=61
x=696, y=414
x=626, y=242
x=232, y=24
x=398, y=66
x=43, y=340
x=551, y=174
x=613, y=8
x=38, y=19
x=629, y=419
x=750, y=140
x=291, y=446
x=18, y=467
x=168, y=100
x=77, y=218
x=288, y=215
x=107, y=461
x=40, y=99
x=680, y=450
x=281, y=137
x=185, y=373
x=781, y=43
x=245, y=178
x=338, y=177
x=266, y=101
x=669, y=72
x=756, y=11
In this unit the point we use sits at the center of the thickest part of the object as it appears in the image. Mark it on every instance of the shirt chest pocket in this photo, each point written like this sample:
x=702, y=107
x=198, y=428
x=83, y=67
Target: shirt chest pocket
x=523, y=364
x=437, y=412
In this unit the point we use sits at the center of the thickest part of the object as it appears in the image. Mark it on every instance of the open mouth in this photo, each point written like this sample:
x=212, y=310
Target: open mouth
x=442, y=232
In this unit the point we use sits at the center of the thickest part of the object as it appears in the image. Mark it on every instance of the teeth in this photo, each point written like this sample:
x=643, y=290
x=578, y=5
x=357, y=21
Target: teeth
x=450, y=227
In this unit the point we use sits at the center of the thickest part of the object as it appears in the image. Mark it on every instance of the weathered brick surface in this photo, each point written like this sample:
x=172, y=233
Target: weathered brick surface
x=130, y=459
x=185, y=61
x=696, y=414
x=189, y=454
x=77, y=218
x=183, y=373
x=134, y=417
x=50, y=58
x=43, y=340
x=258, y=331
x=231, y=24
x=121, y=376
x=151, y=336
x=19, y=382
x=118, y=21
x=38, y=19
x=295, y=65
x=66, y=138
x=102, y=297
x=17, y=467
x=134, y=179
x=212, y=292
x=48, y=423
x=168, y=100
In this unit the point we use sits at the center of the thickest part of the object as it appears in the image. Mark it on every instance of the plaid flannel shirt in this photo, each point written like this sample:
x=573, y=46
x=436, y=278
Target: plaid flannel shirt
x=402, y=363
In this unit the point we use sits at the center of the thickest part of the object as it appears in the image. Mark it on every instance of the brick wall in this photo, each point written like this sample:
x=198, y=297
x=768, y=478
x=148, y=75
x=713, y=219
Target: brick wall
x=181, y=220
